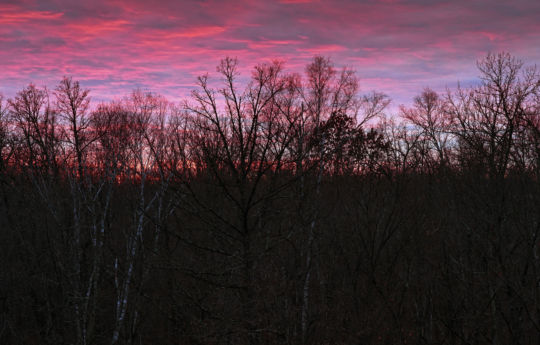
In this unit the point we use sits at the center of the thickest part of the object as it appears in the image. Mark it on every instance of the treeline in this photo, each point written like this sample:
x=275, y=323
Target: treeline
x=288, y=211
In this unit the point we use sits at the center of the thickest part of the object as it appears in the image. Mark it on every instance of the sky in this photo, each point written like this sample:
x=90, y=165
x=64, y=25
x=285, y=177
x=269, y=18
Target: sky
x=396, y=46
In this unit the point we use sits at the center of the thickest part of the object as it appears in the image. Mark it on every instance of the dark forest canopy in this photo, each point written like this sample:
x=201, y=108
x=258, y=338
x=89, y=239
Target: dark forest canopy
x=290, y=210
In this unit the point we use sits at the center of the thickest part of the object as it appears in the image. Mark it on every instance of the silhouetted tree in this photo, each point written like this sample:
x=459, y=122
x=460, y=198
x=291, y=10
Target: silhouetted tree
x=287, y=209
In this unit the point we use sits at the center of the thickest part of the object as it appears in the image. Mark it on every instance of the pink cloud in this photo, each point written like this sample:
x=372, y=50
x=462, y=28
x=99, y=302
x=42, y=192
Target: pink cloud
x=397, y=47
x=9, y=16
x=194, y=32
x=323, y=49
x=296, y=1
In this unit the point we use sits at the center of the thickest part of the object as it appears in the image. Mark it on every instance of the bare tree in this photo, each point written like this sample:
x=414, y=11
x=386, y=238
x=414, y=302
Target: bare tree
x=487, y=117
x=243, y=150
x=429, y=116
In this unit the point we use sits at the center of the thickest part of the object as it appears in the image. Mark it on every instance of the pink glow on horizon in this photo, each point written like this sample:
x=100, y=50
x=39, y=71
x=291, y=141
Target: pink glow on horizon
x=397, y=47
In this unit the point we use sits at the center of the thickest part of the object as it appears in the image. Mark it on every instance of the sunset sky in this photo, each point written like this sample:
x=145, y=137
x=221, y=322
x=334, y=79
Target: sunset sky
x=397, y=47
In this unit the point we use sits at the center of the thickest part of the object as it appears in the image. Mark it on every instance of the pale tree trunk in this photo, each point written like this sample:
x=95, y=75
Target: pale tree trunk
x=123, y=289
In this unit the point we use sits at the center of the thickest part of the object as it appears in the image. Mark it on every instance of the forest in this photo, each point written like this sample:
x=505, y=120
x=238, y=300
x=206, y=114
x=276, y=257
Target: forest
x=288, y=209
